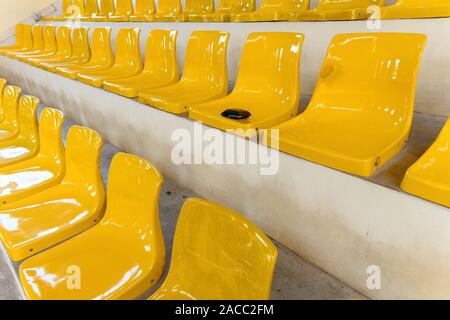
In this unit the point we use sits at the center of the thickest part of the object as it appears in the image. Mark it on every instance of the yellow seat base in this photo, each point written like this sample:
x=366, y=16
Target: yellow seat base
x=132, y=87
x=330, y=15
x=141, y=18
x=260, y=15
x=429, y=177
x=415, y=12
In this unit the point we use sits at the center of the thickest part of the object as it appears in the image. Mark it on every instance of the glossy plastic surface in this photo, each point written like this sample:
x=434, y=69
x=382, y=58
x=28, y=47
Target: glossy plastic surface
x=128, y=60
x=91, y=9
x=124, y=9
x=267, y=84
x=43, y=171
x=80, y=52
x=107, y=9
x=429, y=177
x=197, y=9
x=361, y=111
x=35, y=223
x=26, y=144
x=144, y=11
x=270, y=10
x=337, y=10
x=63, y=49
x=3, y=83
x=413, y=9
x=121, y=257
x=161, y=66
x=38, y=43
x=204, y=76
x=9, y=127
x=168, y=10
x=218, y=255
x=101, y=55
x=225, y=10
x=48, y=49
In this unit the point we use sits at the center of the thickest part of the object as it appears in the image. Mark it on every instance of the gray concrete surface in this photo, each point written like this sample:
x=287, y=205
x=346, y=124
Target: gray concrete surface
x=294, y=278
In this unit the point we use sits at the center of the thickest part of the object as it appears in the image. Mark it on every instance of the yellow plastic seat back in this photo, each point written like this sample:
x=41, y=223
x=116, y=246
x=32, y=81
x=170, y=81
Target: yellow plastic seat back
x=3, y=83
x=276, y=5
x=403, y=9
x=169, y=7
x=11, y=97
x=124, y=8
x=83, y=160
x=198, y=6
x=218, y=254
x=50, y=136
x=28, y=122
x=19, y=40
x=107, y=8
x=38, y=40
x=78, y=8
x=80, y=46
x=127, y=48
x=161, y=56
x=66, y=8
x=270, y=67
x=235, y=6
x=49, y=38
x=63, y=42
x=91, y=8
x=27, y=36
x=101, y=50
x=205, y=59
x=144, y=8
x=300, y=6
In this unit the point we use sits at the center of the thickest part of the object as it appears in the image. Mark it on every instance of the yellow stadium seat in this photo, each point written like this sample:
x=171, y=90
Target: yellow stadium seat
x=204, y=75
x=225, y=10
x=168, y=10
x=337, y=10
x=267, y=85
x=63, y=49
x=3, y=83
x=26, y=144
x=218, y=255
x=128, y=60
x=66, y=11
x=270, y=10
x=80, y=52
x=121, y=257
x=36, y=40
x=24, y=39
x=43, y=171
x=91, y=9
x=361, y=111
x=107, y=9
x=9, y=127
x=48, y=49
x=298, y=6
x=35, y=223
x=101, y=55
x=124, y=9
x=161, y=66
x=428, y=178
x=144, y=11
x=413, y=9
x=196, y=10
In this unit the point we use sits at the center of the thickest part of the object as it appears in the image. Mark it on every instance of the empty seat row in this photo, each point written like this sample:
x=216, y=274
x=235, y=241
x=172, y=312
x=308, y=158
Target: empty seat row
x=245, y=10
x=359, y=117
x=53, y=203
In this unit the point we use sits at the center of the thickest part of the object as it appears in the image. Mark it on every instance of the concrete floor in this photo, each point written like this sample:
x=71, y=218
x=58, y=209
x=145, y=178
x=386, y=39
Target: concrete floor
x=294, y=277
